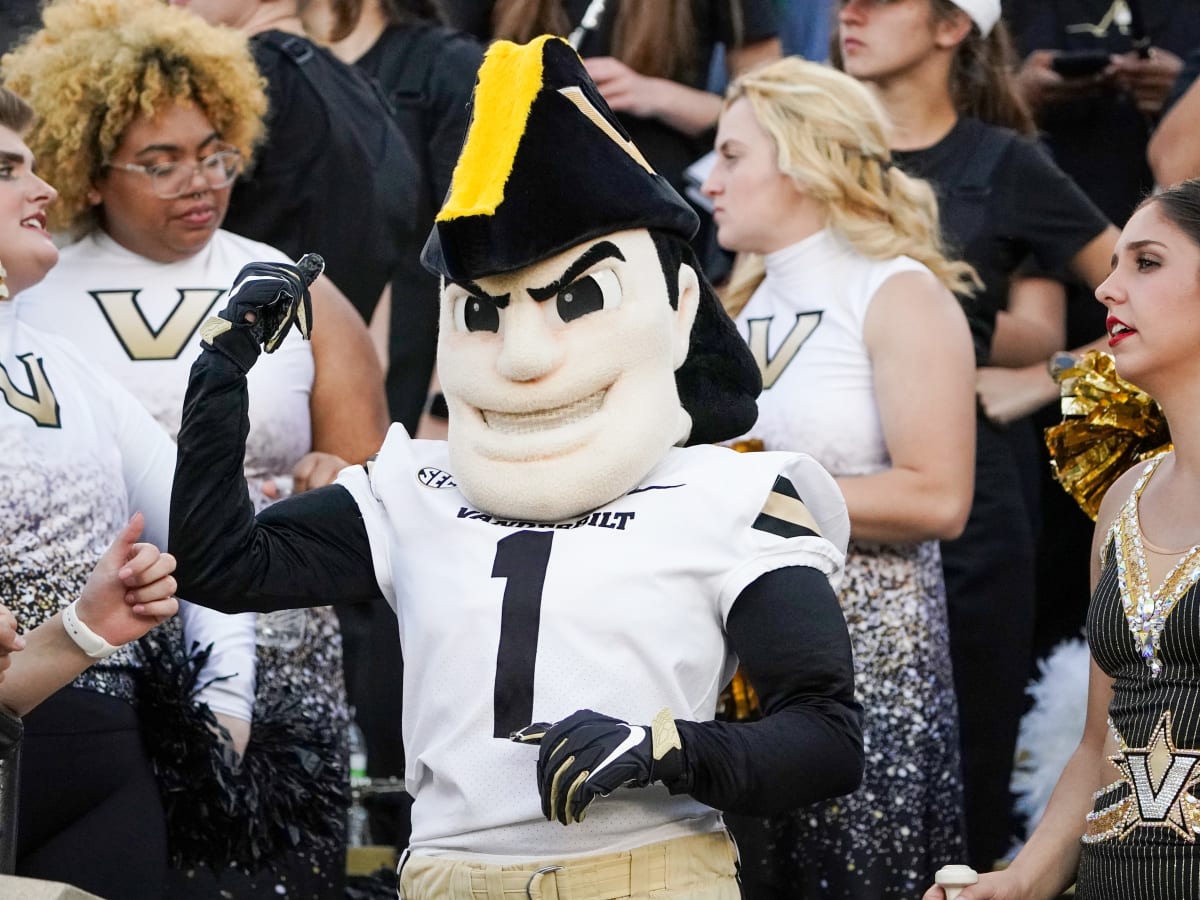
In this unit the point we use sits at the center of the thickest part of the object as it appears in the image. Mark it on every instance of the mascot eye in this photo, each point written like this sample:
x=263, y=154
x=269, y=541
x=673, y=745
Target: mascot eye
x=597, y=291
x=477, y=314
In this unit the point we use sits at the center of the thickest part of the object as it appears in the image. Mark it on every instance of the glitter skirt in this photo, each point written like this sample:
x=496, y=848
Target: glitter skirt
x=888, y=838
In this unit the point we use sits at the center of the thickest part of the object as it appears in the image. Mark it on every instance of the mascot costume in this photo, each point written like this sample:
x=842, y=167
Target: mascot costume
x=576, y=571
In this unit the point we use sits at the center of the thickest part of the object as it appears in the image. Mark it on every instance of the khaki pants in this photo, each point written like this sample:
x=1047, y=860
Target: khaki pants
x=699, y=867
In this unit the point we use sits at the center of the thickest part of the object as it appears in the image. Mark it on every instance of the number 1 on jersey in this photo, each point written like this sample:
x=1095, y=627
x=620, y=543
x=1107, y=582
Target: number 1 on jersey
x=521, y=559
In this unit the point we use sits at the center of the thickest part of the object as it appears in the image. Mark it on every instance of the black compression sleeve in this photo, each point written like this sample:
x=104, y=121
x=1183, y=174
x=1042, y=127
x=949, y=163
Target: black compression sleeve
x=308, y=550
x=789, y=633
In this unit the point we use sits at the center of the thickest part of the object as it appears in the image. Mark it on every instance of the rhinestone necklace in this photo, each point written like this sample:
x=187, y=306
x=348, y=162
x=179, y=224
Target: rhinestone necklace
x=1146, y=611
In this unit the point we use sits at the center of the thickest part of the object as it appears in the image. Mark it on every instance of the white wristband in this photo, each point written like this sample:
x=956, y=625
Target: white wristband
x=88, y=641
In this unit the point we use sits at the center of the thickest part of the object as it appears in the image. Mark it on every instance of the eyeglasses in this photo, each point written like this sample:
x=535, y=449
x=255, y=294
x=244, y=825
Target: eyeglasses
x=171, y=180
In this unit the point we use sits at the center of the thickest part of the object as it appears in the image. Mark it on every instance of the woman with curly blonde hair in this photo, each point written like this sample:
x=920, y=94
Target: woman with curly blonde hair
x=147, y=116
x=847, y=302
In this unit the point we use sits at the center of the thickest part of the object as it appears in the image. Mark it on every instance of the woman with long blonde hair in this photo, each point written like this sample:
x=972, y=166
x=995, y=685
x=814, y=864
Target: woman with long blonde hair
x=847, y=302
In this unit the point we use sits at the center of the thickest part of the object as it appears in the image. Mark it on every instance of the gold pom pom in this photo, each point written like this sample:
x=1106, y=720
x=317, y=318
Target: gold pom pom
x=1108, y=426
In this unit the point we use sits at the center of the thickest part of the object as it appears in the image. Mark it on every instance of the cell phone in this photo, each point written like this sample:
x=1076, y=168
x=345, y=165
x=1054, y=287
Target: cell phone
x=1079, y=63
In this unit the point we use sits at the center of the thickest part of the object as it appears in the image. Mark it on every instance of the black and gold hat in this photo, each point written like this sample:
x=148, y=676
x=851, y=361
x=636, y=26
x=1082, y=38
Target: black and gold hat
x=546, y=166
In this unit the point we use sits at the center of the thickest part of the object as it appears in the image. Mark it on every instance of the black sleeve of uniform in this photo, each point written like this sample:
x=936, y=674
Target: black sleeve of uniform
x=789, y=633
x=307, y=550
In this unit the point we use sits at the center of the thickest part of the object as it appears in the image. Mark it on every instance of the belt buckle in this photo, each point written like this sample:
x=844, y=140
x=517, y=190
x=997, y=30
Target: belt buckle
x=544, y=870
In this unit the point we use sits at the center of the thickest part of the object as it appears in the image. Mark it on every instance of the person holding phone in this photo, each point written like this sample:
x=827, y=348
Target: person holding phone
x=1096, y=74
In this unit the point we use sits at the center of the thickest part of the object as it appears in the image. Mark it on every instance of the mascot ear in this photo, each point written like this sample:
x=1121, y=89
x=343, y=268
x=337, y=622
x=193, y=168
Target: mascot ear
x=685, y=313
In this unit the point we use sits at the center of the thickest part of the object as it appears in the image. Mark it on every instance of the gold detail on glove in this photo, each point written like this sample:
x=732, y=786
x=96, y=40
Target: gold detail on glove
x=3, y=286
x=1109, y=425
x=664, y=734
x=213, y=328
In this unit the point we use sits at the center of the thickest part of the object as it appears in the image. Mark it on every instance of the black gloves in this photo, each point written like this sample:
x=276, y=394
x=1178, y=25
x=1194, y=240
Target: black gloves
x=275, y=295
x=589, y=755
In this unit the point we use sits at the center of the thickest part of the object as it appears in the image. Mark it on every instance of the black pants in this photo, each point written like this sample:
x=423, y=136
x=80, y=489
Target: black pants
x=990, y=598
x=90, y=813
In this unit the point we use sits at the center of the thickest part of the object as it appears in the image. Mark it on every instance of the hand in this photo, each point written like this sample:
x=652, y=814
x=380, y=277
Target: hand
x=314, y=470
x=238, y=729
x=1149, y=79
x=622, y=88
x=589, y=755
x=1010, y=394
x=10, y=641
x=1042, y=86
x=992, y=886
x=270, y=297
x=131, y=588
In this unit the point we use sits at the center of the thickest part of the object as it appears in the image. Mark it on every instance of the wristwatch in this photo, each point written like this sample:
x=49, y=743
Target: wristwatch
x=1059, y=362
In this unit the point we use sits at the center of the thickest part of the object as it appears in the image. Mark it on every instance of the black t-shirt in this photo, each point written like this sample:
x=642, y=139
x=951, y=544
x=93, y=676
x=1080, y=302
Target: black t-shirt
x=427, y=73
x=668, y=151
x=1101, y=140
x=1025, y=206
x=335, y=174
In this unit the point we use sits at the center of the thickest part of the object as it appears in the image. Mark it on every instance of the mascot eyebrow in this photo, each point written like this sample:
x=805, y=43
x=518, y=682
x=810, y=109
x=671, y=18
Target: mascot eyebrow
x=587, y=259
x=591, y=256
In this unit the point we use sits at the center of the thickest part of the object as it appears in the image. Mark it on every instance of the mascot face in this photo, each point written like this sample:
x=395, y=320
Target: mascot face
x=560, y=377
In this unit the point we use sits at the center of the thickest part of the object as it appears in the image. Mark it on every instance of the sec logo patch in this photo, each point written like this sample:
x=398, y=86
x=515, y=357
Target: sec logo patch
x=435, y=478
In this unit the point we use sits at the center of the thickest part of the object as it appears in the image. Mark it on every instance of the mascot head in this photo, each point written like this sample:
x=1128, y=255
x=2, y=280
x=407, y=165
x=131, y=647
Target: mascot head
x=578, y=339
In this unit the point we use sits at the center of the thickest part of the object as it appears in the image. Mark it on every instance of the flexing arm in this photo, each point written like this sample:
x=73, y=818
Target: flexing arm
x=308, y=550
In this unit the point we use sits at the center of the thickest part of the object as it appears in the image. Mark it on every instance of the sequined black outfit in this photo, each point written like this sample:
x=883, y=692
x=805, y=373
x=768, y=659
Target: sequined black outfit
x=1141, y=841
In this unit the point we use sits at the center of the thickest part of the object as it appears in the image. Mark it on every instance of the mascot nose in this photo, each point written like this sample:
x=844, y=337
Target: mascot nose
x=530, y=350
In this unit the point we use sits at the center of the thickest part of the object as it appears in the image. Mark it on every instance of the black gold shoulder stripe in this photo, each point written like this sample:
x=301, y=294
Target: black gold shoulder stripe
x=785, y=515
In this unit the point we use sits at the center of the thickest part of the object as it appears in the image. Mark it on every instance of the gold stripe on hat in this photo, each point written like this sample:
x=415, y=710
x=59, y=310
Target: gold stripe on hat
x=509, y=81
x=585, y=106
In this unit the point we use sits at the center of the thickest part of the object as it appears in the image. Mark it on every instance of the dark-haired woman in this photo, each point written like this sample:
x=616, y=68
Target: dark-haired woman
x=1122, y=822
x=941, y=68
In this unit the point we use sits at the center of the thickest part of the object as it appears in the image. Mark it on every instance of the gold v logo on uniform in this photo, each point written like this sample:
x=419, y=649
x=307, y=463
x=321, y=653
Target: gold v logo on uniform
x=141, y=340
x=1161, y=781
x=772, y=367
x=39, y=404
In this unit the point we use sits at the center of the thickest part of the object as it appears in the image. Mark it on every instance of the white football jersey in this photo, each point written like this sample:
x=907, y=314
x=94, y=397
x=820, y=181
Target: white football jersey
x=620, y=610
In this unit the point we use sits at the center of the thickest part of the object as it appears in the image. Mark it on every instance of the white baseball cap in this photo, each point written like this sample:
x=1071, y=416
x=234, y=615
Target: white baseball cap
x=984, y=13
